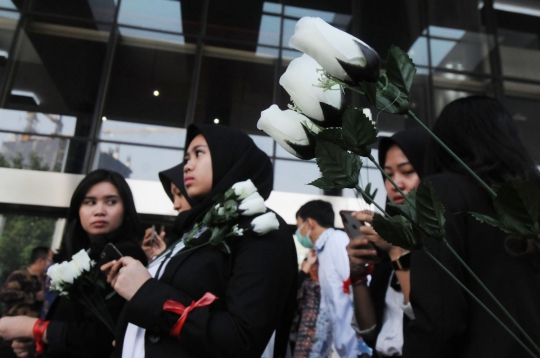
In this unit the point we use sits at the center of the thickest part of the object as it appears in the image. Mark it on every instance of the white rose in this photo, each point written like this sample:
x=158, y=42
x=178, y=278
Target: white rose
x=253, y=204
x=67, y=273
x=82, y=260
x=52, y=272
x=244, y=189
x=328, y=46
x=300, y=82
x=265, y=223
x=288, y=131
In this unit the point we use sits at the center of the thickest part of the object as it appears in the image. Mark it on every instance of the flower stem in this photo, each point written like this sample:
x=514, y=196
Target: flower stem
x=469, y=170
x=497, y=302
x=370, y=157
x=478, y=301
x=364, y=195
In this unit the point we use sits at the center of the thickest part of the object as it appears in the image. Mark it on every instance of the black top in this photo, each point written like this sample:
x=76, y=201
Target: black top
x=74, y=331
x=448, y=322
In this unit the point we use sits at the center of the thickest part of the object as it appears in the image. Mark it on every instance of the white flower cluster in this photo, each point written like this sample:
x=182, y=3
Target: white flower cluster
x=252, y=203
x=65, y=273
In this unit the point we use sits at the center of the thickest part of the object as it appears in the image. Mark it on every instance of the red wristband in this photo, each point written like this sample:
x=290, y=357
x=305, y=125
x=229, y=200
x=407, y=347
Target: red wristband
x=39, y=329
x=183, y=311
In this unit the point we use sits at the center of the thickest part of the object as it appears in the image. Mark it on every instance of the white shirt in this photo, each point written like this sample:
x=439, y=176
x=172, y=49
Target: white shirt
x=333, y=271
x=134, y=336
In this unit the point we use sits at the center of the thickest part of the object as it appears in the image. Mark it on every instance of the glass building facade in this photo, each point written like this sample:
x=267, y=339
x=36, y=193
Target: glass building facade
x=88, y=84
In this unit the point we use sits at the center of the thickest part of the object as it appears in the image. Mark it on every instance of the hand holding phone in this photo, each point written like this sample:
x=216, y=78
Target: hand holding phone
x=109, y=253
x=352, y=227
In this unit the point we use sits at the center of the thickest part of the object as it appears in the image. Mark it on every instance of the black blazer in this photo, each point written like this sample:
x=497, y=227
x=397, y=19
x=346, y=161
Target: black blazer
x=256, y=290
x=448, y=322
x=74, y=331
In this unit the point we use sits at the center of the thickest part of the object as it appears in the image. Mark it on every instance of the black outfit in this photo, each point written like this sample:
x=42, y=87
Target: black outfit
x=255, y=284
x=413, y=143
x=74, y=331
x=448, y=323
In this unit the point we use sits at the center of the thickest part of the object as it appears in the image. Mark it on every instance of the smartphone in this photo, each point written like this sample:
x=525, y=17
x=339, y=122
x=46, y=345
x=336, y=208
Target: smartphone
x=153, y=237
x=352, y=227
x=110, y=253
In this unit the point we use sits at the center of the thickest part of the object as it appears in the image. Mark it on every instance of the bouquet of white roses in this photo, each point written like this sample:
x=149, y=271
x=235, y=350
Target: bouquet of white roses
x=80, y=280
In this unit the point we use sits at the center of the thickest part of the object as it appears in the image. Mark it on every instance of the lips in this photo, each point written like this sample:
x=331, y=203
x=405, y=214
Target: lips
x=188, y=181
x=99, y=224
x=398, y=199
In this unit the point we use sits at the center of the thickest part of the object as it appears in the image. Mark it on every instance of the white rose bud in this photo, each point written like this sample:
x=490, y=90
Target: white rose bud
x=52, y=272
x=265, y=223
x=301, y=80
x=288, y=131
x=244, y=189
x=340, y=54
x=82, y=260
x=253, y=204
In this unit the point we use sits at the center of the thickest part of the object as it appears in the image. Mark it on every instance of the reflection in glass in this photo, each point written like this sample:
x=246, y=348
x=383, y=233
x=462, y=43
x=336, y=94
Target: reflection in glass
x=8, y=22
x=152, y=14
x=32, y=122
x=8, y=4
x=142, y=133
x=293, y=176
x=265, y=143
x=525, y=114
x=134, y=161
x=33, y=152
x=102, y=11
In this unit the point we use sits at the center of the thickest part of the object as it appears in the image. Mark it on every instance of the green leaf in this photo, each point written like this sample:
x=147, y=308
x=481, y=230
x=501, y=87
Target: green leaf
x=429, y=211
x=322, y=184
x=392, y=100
x=407, y=209
x=400, y=69
x=225, y=248
x=333, y=135
x=336, y=165
x=398, y=231
x=368, y=196
x=517, y=205
x=358, y=131
x=491, y=221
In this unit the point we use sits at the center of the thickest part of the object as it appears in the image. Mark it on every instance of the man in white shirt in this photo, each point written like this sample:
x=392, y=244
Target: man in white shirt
x=315, y=222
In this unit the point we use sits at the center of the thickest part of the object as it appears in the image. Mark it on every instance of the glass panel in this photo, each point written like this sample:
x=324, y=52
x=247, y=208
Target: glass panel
x=293, y=176
x=235, y=20
x=142, y=133
x=149, y=85
x=234, y=92
x=136, y=162
x=525, y=112
x=19, y=234
x=94, y=10
x=265, y=143
x=163, y=15
x=8, y=22
x=519, y=41
x=7, y=4
x=32, y=122
x=58, y=71
x=34, y=152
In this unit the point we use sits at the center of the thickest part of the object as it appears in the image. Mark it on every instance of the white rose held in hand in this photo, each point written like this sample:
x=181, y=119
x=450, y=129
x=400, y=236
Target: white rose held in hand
x=265, y=223
x=253, y=204
x=244, y=189
x=340, y=54
x=286, y=127
x=300, y=81
x=82, y=260
x=66, y=273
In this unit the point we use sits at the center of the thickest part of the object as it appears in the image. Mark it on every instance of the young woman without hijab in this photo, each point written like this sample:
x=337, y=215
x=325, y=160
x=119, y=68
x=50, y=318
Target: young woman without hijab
x=101, y=211
x=255, y=284
x=381, y=309
x=173, y=183
x=448, y=323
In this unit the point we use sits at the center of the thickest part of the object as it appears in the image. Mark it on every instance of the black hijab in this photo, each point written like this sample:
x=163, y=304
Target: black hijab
x=414, y=143
x=175, y=175
x=235, y=158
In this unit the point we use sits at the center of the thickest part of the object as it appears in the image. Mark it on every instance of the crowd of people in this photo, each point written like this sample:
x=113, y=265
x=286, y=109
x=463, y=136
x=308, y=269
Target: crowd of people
x=238, y=292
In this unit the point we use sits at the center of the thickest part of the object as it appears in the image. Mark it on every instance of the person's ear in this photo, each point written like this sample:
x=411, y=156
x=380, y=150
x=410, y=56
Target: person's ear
x=311, y=223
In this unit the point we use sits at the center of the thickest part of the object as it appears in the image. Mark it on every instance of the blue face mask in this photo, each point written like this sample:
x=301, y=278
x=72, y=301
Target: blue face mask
x=304, y=240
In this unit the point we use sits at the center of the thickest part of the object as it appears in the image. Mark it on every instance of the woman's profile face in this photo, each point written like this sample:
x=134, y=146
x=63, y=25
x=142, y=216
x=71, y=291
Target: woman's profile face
x=180, y=202
x=401, y=171
x=198, y=168
x=102, y=210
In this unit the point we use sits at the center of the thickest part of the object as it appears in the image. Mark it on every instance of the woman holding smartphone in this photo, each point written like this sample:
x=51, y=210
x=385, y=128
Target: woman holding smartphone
x=101, y=211
x=381, y=308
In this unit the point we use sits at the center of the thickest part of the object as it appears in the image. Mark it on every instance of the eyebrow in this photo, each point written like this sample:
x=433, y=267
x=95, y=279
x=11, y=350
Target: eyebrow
x=113, y=196
x=194, y=149
x=399, y=165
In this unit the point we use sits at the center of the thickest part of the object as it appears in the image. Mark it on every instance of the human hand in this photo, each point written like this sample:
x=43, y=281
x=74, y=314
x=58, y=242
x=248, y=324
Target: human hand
x=311, y=258
x=359, y=255
x=23, y=348
x=17, y=327
x=126, y=276
x=155, y=247
x=369, y=232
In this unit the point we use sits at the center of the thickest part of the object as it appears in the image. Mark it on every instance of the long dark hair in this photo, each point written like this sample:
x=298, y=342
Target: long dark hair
x=75, y=238
x=481, y=131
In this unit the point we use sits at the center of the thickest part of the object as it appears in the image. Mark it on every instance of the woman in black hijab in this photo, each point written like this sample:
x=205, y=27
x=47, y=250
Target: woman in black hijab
x=254, y=284
x=382, y=309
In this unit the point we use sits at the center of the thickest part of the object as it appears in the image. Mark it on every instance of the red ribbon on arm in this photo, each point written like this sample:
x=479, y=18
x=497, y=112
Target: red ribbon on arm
x=38, y=330
x=357, y=279
x=183, y=311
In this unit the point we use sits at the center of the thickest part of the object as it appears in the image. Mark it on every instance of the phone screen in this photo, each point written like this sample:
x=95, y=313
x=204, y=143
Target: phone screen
x=110, y=253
